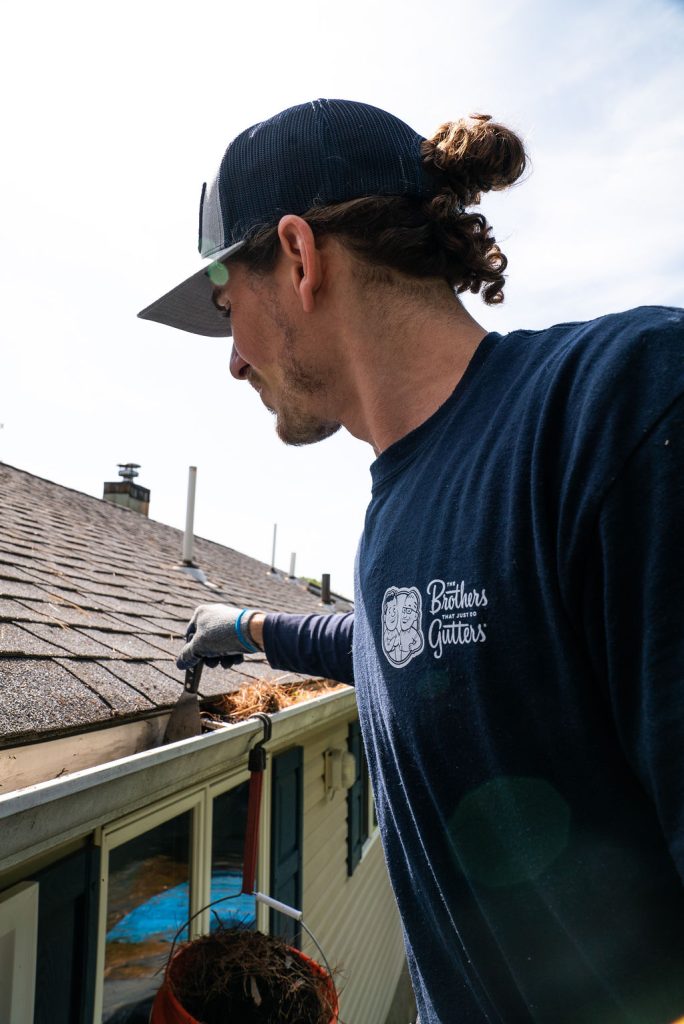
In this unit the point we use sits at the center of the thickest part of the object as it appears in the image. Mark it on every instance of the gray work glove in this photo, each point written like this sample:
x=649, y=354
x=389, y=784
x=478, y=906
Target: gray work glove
x=218, y=635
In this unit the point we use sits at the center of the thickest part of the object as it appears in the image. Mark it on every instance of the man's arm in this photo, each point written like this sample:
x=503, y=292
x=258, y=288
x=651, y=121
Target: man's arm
x=317, y=645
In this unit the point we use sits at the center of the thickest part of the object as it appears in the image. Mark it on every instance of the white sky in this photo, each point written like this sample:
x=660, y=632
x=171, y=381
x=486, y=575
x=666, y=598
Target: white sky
x=114, y=115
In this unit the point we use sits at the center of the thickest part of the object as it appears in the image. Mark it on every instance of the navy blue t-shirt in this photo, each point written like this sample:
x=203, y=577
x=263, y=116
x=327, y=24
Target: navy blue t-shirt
x=518, y=656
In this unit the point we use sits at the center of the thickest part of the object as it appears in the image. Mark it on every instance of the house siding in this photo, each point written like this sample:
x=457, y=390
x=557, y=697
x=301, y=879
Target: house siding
x=354, y=918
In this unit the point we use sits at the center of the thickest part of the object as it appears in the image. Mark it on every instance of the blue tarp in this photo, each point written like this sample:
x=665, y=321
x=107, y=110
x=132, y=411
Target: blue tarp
x=162, y=915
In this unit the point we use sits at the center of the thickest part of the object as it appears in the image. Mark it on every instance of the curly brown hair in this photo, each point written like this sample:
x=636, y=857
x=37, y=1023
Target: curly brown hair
x=424, y=238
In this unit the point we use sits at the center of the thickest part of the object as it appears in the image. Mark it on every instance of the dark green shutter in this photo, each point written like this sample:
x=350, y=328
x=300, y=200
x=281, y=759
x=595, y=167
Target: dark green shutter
x=67, y=939
x=287, y=797
x=357, y=801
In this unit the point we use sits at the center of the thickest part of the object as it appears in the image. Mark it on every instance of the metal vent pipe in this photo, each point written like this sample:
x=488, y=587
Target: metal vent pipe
x=189, y=535
x=273, y=552
x=325, y=588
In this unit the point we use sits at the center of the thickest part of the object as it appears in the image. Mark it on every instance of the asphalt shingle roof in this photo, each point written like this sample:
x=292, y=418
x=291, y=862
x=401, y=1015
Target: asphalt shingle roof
x=94, y=605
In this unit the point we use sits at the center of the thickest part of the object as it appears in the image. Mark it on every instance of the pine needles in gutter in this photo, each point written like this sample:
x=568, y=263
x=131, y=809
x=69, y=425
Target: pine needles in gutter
x=270, y=696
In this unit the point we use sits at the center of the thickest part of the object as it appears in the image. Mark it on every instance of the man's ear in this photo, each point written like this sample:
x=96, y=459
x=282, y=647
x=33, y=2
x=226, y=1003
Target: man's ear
x=304, y=257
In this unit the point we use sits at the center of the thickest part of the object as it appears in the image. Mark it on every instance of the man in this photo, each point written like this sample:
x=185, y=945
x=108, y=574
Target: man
x=525, y=749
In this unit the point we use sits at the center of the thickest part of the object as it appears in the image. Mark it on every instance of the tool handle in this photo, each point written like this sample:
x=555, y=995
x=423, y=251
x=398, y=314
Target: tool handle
x=283, y=908
x=251, y=849
x=192, y=677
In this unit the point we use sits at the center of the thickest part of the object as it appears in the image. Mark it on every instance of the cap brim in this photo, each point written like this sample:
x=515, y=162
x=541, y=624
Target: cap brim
x=188, y=306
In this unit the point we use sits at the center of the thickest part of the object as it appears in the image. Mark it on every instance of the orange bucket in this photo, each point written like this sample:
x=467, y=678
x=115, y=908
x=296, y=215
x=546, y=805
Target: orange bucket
x=166, y=1009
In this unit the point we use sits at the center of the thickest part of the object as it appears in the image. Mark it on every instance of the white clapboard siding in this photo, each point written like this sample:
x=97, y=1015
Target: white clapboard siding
x=355, y=919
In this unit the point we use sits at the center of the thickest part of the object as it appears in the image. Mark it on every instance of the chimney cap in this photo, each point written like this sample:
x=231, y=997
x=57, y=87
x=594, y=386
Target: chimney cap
x=128, y=470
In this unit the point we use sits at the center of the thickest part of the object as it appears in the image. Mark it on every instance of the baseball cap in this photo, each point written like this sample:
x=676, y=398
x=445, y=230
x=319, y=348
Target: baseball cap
x=315, y=154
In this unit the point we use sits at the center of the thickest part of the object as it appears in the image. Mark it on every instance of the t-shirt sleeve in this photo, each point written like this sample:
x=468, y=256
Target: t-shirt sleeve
x=634, y=616
x=317, y=645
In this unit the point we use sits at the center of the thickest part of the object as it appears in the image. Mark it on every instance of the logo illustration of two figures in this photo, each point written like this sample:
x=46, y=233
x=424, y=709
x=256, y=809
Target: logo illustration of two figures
x=402, y=635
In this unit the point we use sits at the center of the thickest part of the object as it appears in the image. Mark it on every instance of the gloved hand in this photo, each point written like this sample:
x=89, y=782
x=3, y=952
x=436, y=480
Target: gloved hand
x=217, y=634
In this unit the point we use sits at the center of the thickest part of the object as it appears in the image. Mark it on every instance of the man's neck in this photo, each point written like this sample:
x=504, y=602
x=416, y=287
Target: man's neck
x=403, y=371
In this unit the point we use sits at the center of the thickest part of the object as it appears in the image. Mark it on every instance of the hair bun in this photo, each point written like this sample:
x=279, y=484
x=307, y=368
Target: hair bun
x=474, y=155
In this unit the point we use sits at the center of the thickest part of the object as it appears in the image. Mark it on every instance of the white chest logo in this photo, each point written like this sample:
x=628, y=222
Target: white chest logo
x=402, y=633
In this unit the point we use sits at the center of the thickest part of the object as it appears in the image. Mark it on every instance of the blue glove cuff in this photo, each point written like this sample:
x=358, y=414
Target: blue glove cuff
x=248, y=646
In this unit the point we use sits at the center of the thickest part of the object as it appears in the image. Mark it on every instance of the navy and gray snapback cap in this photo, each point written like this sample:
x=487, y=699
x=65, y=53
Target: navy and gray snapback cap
x=315, y=154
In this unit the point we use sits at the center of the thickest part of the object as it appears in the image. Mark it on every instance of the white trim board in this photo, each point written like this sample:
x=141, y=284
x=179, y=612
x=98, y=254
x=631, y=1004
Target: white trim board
x=32, y=763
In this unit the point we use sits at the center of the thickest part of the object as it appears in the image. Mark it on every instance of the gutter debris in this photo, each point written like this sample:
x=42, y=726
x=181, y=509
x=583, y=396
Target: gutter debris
x=267, y=696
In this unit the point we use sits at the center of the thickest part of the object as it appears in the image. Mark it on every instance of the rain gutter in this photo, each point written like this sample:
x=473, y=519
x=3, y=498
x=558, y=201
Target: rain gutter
x=39, y=817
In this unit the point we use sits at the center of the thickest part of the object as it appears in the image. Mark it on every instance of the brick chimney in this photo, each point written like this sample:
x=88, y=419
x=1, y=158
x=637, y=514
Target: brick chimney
x=127, y=493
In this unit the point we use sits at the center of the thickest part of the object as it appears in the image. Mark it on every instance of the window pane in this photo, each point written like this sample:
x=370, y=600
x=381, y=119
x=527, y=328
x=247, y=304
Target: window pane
x=227, y=843
x=147, y=902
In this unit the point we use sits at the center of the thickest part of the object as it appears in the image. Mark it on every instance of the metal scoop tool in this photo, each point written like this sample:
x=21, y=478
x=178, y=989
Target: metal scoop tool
x=185, y=720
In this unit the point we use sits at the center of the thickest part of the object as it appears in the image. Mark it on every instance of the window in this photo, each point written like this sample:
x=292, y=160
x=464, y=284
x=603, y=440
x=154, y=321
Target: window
x=229, y=821
x=161, y=867
x=148, y=902
x=67, y=938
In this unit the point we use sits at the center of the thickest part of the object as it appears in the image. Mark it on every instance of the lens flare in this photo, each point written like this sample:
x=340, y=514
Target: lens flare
x=217, y=274
x=509, y=830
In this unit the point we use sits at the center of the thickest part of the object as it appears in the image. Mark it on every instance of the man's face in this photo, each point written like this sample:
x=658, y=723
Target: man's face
x=391, y=614
x=409, y=612
x=269, y=352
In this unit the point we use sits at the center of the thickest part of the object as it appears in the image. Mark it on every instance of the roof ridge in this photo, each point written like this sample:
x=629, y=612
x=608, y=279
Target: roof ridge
x=120, y=508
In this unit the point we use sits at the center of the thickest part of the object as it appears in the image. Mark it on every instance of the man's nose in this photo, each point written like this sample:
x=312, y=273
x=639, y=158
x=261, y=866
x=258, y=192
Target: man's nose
x=238, y=366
